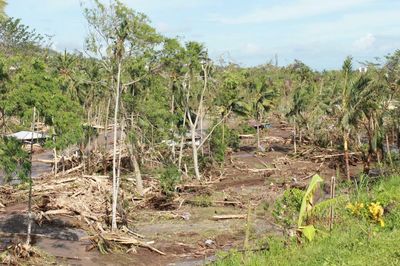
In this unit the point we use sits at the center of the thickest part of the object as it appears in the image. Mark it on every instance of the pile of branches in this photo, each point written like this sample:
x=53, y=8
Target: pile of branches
x=87, y=199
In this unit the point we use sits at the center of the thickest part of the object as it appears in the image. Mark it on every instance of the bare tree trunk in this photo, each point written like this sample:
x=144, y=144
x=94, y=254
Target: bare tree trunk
x=181, y=144
x=193, y=124
x=201, y=129
x=115, y=189
x=55, y=161
x=138, y=175
x=258, y=138
x=346, y=155
x=121, y=144
x=29, y=229
x=63, y=164
x=195, y=156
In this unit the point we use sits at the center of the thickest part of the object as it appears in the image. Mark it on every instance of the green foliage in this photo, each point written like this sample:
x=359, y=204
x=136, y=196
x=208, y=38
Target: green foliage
x=14, y=161
x=169, y=178
x=16, y=37
x=287, y=207
x=118, y=30
x=34, y=86
x=205, y=163
x=307, y=203
x=350, y=243
x=3, y=4
x=222, y=138
x=245, y=128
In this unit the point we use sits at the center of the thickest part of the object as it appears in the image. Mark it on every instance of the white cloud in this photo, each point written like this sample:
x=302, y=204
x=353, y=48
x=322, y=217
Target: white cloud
x=295, y=10
x=364, y=43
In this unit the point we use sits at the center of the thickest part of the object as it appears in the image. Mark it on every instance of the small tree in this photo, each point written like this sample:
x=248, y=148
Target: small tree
x=117, y=35
x=14, y=161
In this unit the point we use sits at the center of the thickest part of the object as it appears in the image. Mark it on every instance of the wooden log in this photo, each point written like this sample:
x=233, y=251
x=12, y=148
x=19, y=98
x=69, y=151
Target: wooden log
x=58, y=212
x=246, y=136
x=95, y=176
x=229, y=216
x=334, y=155
x=73, y=169
x=261, y=170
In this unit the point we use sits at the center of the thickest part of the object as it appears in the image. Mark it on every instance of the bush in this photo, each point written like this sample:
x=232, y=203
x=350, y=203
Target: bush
x=287, y=208
x=245, y=128
x=221, y=139
x=169, y=178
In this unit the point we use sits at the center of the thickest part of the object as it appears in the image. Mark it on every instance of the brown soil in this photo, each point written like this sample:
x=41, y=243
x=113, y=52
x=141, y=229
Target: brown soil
x=188, y=241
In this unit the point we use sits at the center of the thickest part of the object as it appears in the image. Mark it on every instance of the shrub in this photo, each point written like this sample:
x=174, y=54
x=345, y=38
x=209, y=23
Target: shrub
x=287, y=208
x=245, y=128
x=221, y=139
x=14, y=161
x=169, y=178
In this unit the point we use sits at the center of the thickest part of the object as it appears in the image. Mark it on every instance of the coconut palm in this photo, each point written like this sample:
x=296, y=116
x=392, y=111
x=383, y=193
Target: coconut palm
x=262, y=101
x=355, y=98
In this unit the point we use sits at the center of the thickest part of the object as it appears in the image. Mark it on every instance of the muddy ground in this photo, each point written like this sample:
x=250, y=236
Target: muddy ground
x=187, y=233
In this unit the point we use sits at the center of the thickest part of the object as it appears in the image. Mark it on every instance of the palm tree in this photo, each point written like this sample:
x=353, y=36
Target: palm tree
x=354, y=99
x=262, y=102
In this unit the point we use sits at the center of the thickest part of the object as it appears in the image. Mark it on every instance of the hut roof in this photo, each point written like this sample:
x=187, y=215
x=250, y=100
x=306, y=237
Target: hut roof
x=28, y=135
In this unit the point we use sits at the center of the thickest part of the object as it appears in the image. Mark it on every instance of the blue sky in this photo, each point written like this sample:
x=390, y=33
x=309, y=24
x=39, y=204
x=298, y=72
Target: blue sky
x=321, y=33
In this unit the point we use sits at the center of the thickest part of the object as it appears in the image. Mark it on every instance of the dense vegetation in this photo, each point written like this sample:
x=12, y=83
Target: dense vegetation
x=160, y=92
x=358, y=238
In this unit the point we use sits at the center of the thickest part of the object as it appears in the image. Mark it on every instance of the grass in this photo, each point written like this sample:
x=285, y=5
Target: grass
x=355, y=240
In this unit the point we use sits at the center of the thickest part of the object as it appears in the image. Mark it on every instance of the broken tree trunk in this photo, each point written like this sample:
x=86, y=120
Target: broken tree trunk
x=138, y=175
x=114, y=188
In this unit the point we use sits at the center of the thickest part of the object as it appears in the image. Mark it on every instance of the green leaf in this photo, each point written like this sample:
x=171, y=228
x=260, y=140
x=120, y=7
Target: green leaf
x=307, y=203
x=308, y=231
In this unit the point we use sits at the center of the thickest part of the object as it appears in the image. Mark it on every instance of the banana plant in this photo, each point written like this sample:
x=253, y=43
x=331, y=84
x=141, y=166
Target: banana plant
x=308, y=208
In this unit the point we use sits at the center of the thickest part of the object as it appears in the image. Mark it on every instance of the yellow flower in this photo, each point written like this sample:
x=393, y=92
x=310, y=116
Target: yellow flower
x=376, y=212
x=355, y=208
